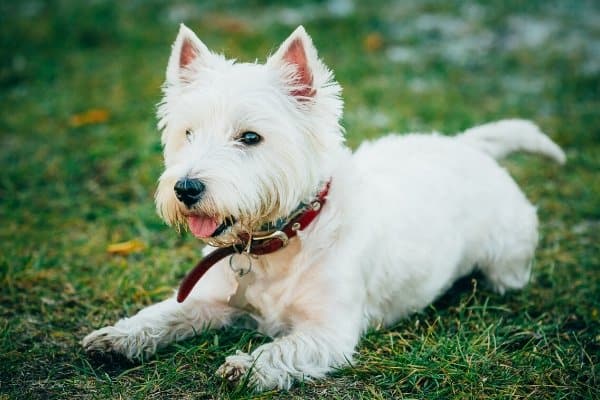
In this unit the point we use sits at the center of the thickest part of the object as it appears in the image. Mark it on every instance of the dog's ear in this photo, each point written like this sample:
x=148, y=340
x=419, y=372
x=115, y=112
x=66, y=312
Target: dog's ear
x=186, y=50
x=298, y=52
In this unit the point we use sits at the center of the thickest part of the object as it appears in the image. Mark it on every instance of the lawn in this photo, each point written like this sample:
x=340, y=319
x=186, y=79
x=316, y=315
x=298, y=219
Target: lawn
x=80, y=155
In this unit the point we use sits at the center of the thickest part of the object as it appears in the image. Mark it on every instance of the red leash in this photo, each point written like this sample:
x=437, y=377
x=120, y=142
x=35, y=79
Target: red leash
x=259, y=246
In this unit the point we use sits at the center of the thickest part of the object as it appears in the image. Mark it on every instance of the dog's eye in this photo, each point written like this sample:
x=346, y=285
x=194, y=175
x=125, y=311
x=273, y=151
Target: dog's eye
x=188, y=134
x=250, y=138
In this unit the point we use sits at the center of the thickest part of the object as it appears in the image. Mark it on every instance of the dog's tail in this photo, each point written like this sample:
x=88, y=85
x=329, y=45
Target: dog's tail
x=501, y=138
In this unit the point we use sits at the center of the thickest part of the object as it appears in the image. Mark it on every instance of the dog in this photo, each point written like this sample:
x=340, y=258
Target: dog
x=313, y=242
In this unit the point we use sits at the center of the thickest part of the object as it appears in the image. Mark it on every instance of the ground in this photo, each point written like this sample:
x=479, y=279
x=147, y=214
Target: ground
x=80, y=155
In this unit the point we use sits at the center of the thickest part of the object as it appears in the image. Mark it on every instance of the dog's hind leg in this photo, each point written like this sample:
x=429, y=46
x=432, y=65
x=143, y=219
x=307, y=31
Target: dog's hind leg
x=513, y=274
x=507, y=264
x=160, y=324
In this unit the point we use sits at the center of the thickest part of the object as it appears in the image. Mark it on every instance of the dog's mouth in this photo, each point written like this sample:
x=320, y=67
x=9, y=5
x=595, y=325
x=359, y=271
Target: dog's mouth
x=203, y=226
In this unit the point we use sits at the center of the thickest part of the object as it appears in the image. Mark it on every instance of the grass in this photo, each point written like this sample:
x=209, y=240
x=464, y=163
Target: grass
x=80, y=155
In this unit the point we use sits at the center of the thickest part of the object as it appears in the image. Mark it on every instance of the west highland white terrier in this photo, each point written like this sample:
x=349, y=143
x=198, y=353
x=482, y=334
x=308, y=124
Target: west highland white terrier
x=313, y=242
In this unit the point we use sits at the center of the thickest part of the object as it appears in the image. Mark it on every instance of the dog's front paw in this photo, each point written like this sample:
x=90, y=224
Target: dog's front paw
x=260, y=373
x=235, y=367
x=104, y=340
x=112, y=340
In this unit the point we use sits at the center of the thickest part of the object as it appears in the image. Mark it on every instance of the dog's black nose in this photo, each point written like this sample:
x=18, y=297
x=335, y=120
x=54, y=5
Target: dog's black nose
x=189, y=191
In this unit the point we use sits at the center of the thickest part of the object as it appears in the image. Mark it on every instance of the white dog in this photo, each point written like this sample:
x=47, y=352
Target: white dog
x=255, y=156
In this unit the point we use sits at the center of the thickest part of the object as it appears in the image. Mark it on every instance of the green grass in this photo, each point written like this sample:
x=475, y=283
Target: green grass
x=67, y=191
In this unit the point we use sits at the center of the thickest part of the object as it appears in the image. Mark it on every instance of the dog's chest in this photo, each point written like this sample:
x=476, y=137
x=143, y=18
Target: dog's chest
x=269, y=309
x=270, y=292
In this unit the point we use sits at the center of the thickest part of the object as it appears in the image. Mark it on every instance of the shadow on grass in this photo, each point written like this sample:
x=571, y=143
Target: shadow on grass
x=111, y=364
x=454, y=295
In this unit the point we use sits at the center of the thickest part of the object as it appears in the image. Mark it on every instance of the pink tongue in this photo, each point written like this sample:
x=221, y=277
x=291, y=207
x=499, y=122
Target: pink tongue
x=202, y=227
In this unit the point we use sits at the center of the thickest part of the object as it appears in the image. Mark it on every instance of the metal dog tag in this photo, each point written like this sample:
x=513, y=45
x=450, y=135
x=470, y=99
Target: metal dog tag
x=238, y=299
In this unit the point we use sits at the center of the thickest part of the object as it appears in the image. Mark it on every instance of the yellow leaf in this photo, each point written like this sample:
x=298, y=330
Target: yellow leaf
x=373, y=42
x=228, y=23
x=124, y=248
x=92, y=116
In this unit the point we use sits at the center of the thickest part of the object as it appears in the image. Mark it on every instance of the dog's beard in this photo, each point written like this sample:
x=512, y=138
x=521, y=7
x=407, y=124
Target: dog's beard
x=230, y=225
x=235, y=230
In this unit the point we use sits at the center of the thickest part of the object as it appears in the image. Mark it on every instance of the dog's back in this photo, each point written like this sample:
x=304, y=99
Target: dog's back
x=435, y=207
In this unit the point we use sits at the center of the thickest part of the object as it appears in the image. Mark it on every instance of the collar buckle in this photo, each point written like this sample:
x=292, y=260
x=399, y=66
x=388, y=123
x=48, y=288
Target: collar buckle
x=282, y=236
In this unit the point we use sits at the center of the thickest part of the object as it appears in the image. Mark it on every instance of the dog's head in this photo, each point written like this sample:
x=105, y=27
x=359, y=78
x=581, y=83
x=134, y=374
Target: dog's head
x=244, y=143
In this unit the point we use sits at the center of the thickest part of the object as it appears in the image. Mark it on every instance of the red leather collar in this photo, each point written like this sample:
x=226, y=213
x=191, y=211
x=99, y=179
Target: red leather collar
x=259, y=245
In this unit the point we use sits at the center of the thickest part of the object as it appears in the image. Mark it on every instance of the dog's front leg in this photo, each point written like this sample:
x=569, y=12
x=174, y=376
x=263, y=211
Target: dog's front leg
x=160, y=324
x=157, y=326
x=301, y=355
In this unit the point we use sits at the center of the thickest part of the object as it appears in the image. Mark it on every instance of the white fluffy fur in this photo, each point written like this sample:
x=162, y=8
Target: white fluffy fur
x=405, y=217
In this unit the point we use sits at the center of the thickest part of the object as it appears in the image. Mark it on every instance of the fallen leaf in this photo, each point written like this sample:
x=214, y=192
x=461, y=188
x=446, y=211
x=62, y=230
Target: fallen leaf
x=124, y=248
x=69, y=289
x=228, y=23
x=92, y=116
x=373, y=42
